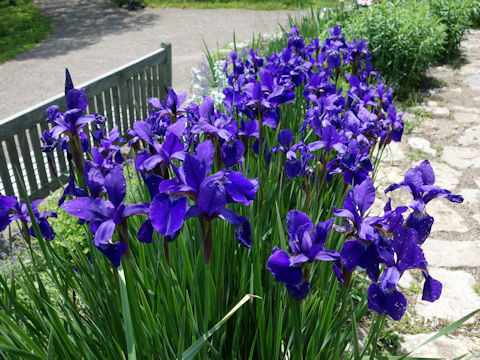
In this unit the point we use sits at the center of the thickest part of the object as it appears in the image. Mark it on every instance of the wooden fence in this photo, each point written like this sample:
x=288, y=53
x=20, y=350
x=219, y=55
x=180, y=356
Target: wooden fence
x=121, y=95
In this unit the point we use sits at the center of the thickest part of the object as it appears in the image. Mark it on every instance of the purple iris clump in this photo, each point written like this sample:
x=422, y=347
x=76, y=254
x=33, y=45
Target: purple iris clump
x=304, y=247
x=419, y=181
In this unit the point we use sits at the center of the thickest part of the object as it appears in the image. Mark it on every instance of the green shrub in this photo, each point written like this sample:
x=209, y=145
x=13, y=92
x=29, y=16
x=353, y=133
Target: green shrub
x=455, y=15
x=475, y=14
x=405, y=37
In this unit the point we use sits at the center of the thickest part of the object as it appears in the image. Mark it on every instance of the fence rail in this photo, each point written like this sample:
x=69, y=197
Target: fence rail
x=121, y=95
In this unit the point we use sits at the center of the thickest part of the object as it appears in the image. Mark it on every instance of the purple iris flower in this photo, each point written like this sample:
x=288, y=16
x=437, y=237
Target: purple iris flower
x=106, y=215
x=49, y=143
x=295, y=166
x=353, y=162
x=419, y=181
x=110, y=145
x=172, y=148
x=265, y=96
x=19, y=211
x=141, y=130
x=361, y=251
x=71, y=190
x=211, y=122
x=170, y=207
x=325, y=110
x=73, y=120
x=6, y=203
x=357, y=51
x=238, y=67
x=304, y=248
x=333, y=48
x=248, y=129
x=295, y=40
x=404, y=254
x=393, y=123
x=253, y=61
x=232, y=152
x=171, y=107
x=95, y=173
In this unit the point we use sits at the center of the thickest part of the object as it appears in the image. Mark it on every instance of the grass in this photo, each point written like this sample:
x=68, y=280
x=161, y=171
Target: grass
x=241, y=4
x=21, y=27
x=476, y=288
x=417, y=155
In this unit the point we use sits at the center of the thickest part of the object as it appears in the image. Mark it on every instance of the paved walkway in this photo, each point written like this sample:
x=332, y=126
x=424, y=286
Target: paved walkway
x=95, y=36
x=449, y=135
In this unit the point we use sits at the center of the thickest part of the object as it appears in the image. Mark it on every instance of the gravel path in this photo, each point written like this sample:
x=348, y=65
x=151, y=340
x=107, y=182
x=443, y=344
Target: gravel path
x=94, y=37
x=449, y=135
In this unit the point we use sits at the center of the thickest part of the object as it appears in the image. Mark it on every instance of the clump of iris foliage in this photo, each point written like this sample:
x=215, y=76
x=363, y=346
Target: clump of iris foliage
x=247, y=225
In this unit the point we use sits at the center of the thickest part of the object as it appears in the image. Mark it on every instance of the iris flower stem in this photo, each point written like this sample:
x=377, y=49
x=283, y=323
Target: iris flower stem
x=218, y=155
x=78, y=159
x=207, y=296
x=127, y=319
x=123, y=236
x=165, y=249
x=378, y=328
x=260, y=152
x=372, y=334
x=296, y=313
x=206, y=238
x=25, y=232
x=343, y=309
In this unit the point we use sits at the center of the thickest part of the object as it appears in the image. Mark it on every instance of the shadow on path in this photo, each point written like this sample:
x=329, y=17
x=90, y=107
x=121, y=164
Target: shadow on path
x=80, y=23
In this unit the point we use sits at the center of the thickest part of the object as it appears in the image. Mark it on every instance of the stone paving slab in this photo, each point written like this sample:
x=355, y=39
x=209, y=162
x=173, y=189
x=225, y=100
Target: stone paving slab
x=443, y=347
x=458, y=297
x=453, y=253
x=446, y=217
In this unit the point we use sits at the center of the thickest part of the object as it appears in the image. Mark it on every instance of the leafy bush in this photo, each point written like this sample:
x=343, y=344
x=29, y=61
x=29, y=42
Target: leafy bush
x=475, y=14
x=405, y=37
x=455, y=15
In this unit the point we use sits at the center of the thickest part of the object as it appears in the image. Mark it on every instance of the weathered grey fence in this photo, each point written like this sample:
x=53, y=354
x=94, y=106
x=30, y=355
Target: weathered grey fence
x=121, y=95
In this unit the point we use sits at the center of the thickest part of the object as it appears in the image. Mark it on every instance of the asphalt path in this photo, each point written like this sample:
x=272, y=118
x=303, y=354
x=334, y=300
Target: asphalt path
x=95, y=37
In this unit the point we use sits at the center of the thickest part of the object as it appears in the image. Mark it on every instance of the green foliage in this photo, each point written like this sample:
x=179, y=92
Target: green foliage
x=244, y=4
x=68, y=231
x=404, y=36
x=417, y=155
x=475, y=14
x=21, y=27
x=455, y=15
